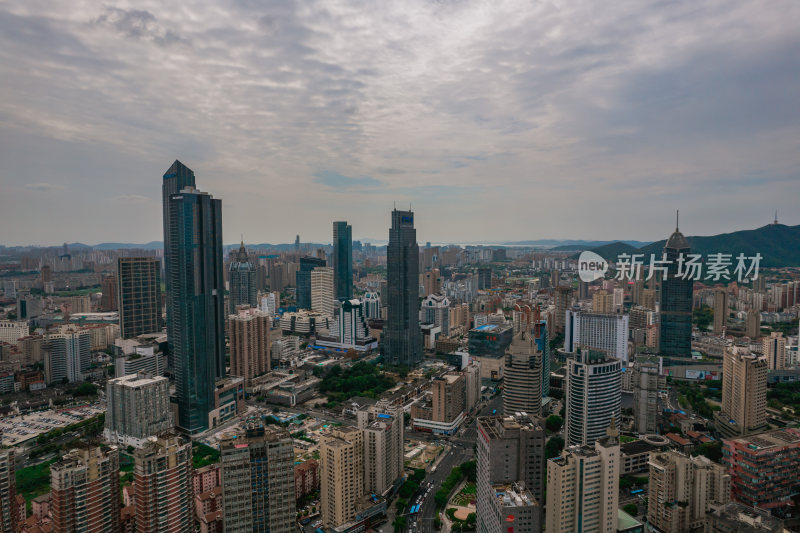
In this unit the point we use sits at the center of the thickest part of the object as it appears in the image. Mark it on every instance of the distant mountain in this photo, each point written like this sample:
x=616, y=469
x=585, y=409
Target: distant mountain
x=611, y=251
x=152, y=245
x=778, y=244
x=579, y=246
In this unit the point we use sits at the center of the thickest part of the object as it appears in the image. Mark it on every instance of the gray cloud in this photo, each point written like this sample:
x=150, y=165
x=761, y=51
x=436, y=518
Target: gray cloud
x=494, y=118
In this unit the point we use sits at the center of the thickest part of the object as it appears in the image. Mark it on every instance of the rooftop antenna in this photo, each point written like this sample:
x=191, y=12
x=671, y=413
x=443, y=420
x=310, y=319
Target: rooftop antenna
x=677, y=216
x=776, y=217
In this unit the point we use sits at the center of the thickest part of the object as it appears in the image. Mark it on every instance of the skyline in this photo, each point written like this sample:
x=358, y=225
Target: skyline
x=526, y=121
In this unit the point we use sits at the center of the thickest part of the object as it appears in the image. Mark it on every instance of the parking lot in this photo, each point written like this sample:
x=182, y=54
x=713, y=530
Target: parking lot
x=19, y=429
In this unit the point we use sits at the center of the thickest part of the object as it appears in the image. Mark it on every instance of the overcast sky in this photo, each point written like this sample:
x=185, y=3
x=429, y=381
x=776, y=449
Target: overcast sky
x=496, y=120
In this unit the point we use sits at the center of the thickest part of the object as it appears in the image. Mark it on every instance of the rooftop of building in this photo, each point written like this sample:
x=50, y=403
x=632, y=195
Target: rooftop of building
x=491, y=328
x=140, y=379
x=770, y=439
x=636, y=447
x=513, y=495
x=756, y=520
x=495, y=426
x=626, y=521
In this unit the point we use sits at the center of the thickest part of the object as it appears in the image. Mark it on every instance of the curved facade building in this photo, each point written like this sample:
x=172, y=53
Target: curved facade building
x=593, y=396
x=522, y=381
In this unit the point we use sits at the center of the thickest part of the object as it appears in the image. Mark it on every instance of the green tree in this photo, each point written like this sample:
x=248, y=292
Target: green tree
x=470, y=470
x=631, y=508
x=553, y=447
x=553, y=423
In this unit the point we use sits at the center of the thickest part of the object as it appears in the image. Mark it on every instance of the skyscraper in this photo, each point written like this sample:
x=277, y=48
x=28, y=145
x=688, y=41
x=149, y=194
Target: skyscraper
x=593, y=396
x=583, y=487
x=563, y=296
x=195, y=322
x=647, y=383
x=402, y=338
x=258, y=490
x=343, y=260
x=109, y=288
x=176, y=178
x=522, y=390
x=341, y=473
x=249, y=344
x=9, y=516
x=510, y=471
x=720, y=309
x=162, y=480
x=242, y=281
x=138, y=408
x=382, y=425
x=67, y=356
x=139, y=296
x=322, y=287
x=744, y=393
x=675, y=336
x=598, y=331
x=85, y=490
x=774, y=349
x=307, y=264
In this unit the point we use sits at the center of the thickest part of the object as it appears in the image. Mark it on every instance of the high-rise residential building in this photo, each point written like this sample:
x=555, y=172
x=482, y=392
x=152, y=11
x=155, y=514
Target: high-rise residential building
x=402, y=337
x=196, y=319
x=720, y=309
x=774, y=349
x=583, y=290
x=484, y=278
x=646, y=382
x=139, y=297
x=342, y=260
x=108, y=302
x=598, y=331
x=341, y=474
x=563, y=297
x=12, y=330
x=242, y=281
x=637, y=290
x=10, y=518
x=350, y=327
x=138, y=408
x=303, y=293
x=603, y=301
x=649, y=299
x=249, y=335
x=522, y=375
x=448, y=397
x=382, y=426
x=258, y=491
x=583, y=487
x=85, y=490
x=67, y=356
x=744, y=393
x=162, y=481
x=435, y=309
x=510, y=473
x=675, y=337
x=593, y=396
x=753, y=324
x=372, y=305
x=322, y=287
x=176, y=178
x=683, y=490
x=472, y=377
x=763, y=468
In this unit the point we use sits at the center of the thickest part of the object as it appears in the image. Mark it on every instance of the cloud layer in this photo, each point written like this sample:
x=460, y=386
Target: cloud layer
x=496, y=120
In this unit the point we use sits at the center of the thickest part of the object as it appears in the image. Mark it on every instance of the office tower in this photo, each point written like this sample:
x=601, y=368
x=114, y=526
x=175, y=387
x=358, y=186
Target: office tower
x=242, y=281
x=176, y=178
x=9, y=511
x=598, y=331
x=249, y=335
x=322, y=296
x=510, y=462
x=341, y=474
x=774, y=349
x=753, y=324
x=763, y=468
x=720, y=309
x=303, y=294
x=583, y=487
x=402, y=337
x=563, y=298
x=593, y=396
x=542, y=340
x=382, y=425
x=258, y=481
x=484, y=278
x=343, y=260
x=522, y=375
x=744, y=393
x=85, y=490
x=602, y=301
x=646, y=383
x=139, y=296
x=435, y=309
x=162, y=480
x=138, y=408
x=67, y=356
x=448, y=397
x=350, y=325
x=676, y=301
x=108, y=302
x=683, y=489
x=195, y=322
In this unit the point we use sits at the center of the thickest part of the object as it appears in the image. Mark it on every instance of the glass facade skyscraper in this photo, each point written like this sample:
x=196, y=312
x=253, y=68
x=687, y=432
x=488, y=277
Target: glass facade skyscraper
x=676, y=302
x=195, y=324
x=139, y=299
x=402, y=338
x=307, y=264
x=242, y=280
x=342, y=261
x=176, y=178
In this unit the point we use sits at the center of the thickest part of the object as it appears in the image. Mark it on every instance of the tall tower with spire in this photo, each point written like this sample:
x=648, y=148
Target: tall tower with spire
x=676, y=300
x=242, y=280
